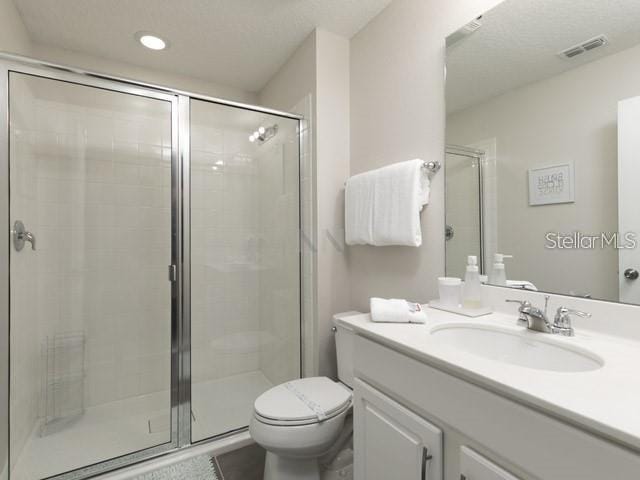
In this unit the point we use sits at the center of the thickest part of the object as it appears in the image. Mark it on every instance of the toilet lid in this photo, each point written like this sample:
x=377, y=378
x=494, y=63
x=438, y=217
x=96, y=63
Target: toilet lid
x=303, y=400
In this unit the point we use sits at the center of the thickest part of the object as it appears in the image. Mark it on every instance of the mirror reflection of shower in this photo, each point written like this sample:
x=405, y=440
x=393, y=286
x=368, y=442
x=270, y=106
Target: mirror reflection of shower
x=464, y=230
x=263, y=134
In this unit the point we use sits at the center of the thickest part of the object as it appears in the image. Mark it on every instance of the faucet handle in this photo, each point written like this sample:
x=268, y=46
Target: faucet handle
x=523, y=304
x=546, y=303
x=563, y=312
x=562, y=321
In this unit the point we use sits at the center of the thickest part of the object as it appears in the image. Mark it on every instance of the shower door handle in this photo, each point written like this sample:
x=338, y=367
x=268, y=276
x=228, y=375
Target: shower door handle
x=449, y=232
x=20, y=236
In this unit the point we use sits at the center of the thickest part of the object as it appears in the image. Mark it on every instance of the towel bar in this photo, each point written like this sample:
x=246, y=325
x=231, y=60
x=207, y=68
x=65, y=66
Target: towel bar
x=432, y=166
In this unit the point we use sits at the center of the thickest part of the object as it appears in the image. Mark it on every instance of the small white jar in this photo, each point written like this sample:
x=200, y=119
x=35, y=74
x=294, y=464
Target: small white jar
x=450, y=290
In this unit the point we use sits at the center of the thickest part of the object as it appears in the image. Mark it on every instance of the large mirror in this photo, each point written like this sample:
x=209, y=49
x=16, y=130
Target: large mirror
x=543, y=147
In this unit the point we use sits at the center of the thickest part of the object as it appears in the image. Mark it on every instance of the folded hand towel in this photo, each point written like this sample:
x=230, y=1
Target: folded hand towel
x=382, y=207
x=396, y=311
x=524, y=284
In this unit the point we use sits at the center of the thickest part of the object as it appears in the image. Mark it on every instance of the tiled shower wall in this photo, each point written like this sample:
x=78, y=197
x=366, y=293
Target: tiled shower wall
x=91, y=179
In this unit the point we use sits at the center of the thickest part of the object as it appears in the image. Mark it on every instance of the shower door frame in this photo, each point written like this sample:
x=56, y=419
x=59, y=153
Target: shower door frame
x=180, y=248
x=479, y=155
x=30, y=68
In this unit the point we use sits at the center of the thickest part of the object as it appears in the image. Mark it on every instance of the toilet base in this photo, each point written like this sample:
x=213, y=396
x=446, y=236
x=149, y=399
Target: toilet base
x=282, y=468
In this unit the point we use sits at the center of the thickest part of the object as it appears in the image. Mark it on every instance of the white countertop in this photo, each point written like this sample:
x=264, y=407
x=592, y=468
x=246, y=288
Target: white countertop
x=604, y=401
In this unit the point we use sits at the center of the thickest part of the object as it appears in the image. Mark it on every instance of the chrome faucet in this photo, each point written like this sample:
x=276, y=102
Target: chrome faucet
x=537, y=320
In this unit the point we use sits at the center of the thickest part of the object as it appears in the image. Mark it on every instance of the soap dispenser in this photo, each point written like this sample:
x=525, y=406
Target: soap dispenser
x=472, y=289
x=498, y=274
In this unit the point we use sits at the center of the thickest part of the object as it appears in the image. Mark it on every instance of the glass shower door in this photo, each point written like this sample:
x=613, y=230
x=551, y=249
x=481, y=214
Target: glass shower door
x=91, y=304
x=245, y=262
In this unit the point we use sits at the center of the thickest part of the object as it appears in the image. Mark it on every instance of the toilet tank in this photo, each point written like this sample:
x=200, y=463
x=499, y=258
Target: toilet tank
x=344, y=336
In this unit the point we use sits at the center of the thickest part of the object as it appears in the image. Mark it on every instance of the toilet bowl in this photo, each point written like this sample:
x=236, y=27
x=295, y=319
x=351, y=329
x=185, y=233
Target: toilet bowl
x=298, y=422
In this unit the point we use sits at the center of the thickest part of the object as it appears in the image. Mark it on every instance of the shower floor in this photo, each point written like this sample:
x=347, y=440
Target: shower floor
x=121, y=427
x=225, y=404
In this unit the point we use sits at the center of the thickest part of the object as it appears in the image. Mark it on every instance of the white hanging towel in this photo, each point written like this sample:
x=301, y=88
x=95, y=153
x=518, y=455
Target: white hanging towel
x=358, y=216
x=382, y=207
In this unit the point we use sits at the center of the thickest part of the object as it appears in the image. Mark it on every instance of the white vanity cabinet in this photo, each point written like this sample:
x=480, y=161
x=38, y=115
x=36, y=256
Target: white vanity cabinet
x=405, y=406
x=392, y=442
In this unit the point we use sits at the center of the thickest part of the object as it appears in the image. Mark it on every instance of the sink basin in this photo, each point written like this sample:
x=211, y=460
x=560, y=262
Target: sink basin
x=517, y=348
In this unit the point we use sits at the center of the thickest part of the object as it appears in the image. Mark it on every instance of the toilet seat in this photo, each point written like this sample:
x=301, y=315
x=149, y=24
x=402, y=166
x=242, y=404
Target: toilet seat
x=293, y=423
x=302, y=402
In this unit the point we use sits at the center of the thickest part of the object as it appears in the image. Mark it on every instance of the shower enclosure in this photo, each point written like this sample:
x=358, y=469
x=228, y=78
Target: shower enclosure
x=464, y=229
x=151, y=272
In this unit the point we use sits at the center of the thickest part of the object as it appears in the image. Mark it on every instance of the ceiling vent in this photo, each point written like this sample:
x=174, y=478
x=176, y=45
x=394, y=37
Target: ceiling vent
x=465, y=31
x=473, y=25
x=592, y=43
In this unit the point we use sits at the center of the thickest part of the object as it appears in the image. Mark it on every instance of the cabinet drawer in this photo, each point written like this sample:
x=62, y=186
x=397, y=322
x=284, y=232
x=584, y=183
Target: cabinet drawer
x=474, y=466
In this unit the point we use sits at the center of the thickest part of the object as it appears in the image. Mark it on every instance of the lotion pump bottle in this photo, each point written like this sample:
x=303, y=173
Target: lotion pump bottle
x=498, y=274
x=472, y=290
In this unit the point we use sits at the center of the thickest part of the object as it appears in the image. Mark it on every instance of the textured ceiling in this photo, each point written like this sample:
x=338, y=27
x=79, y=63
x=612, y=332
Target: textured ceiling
x=519, y=41
x=239, y=43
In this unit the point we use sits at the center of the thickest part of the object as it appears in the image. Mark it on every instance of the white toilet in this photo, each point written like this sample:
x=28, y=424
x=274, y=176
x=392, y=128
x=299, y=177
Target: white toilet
x=299, y=421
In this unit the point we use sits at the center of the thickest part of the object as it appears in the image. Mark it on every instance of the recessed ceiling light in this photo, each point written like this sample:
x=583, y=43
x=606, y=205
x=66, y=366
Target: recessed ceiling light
x=151, y=41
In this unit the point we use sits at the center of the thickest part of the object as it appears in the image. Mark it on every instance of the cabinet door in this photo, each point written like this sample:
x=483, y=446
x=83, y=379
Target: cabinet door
x=474, y=466
x=391, y=441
